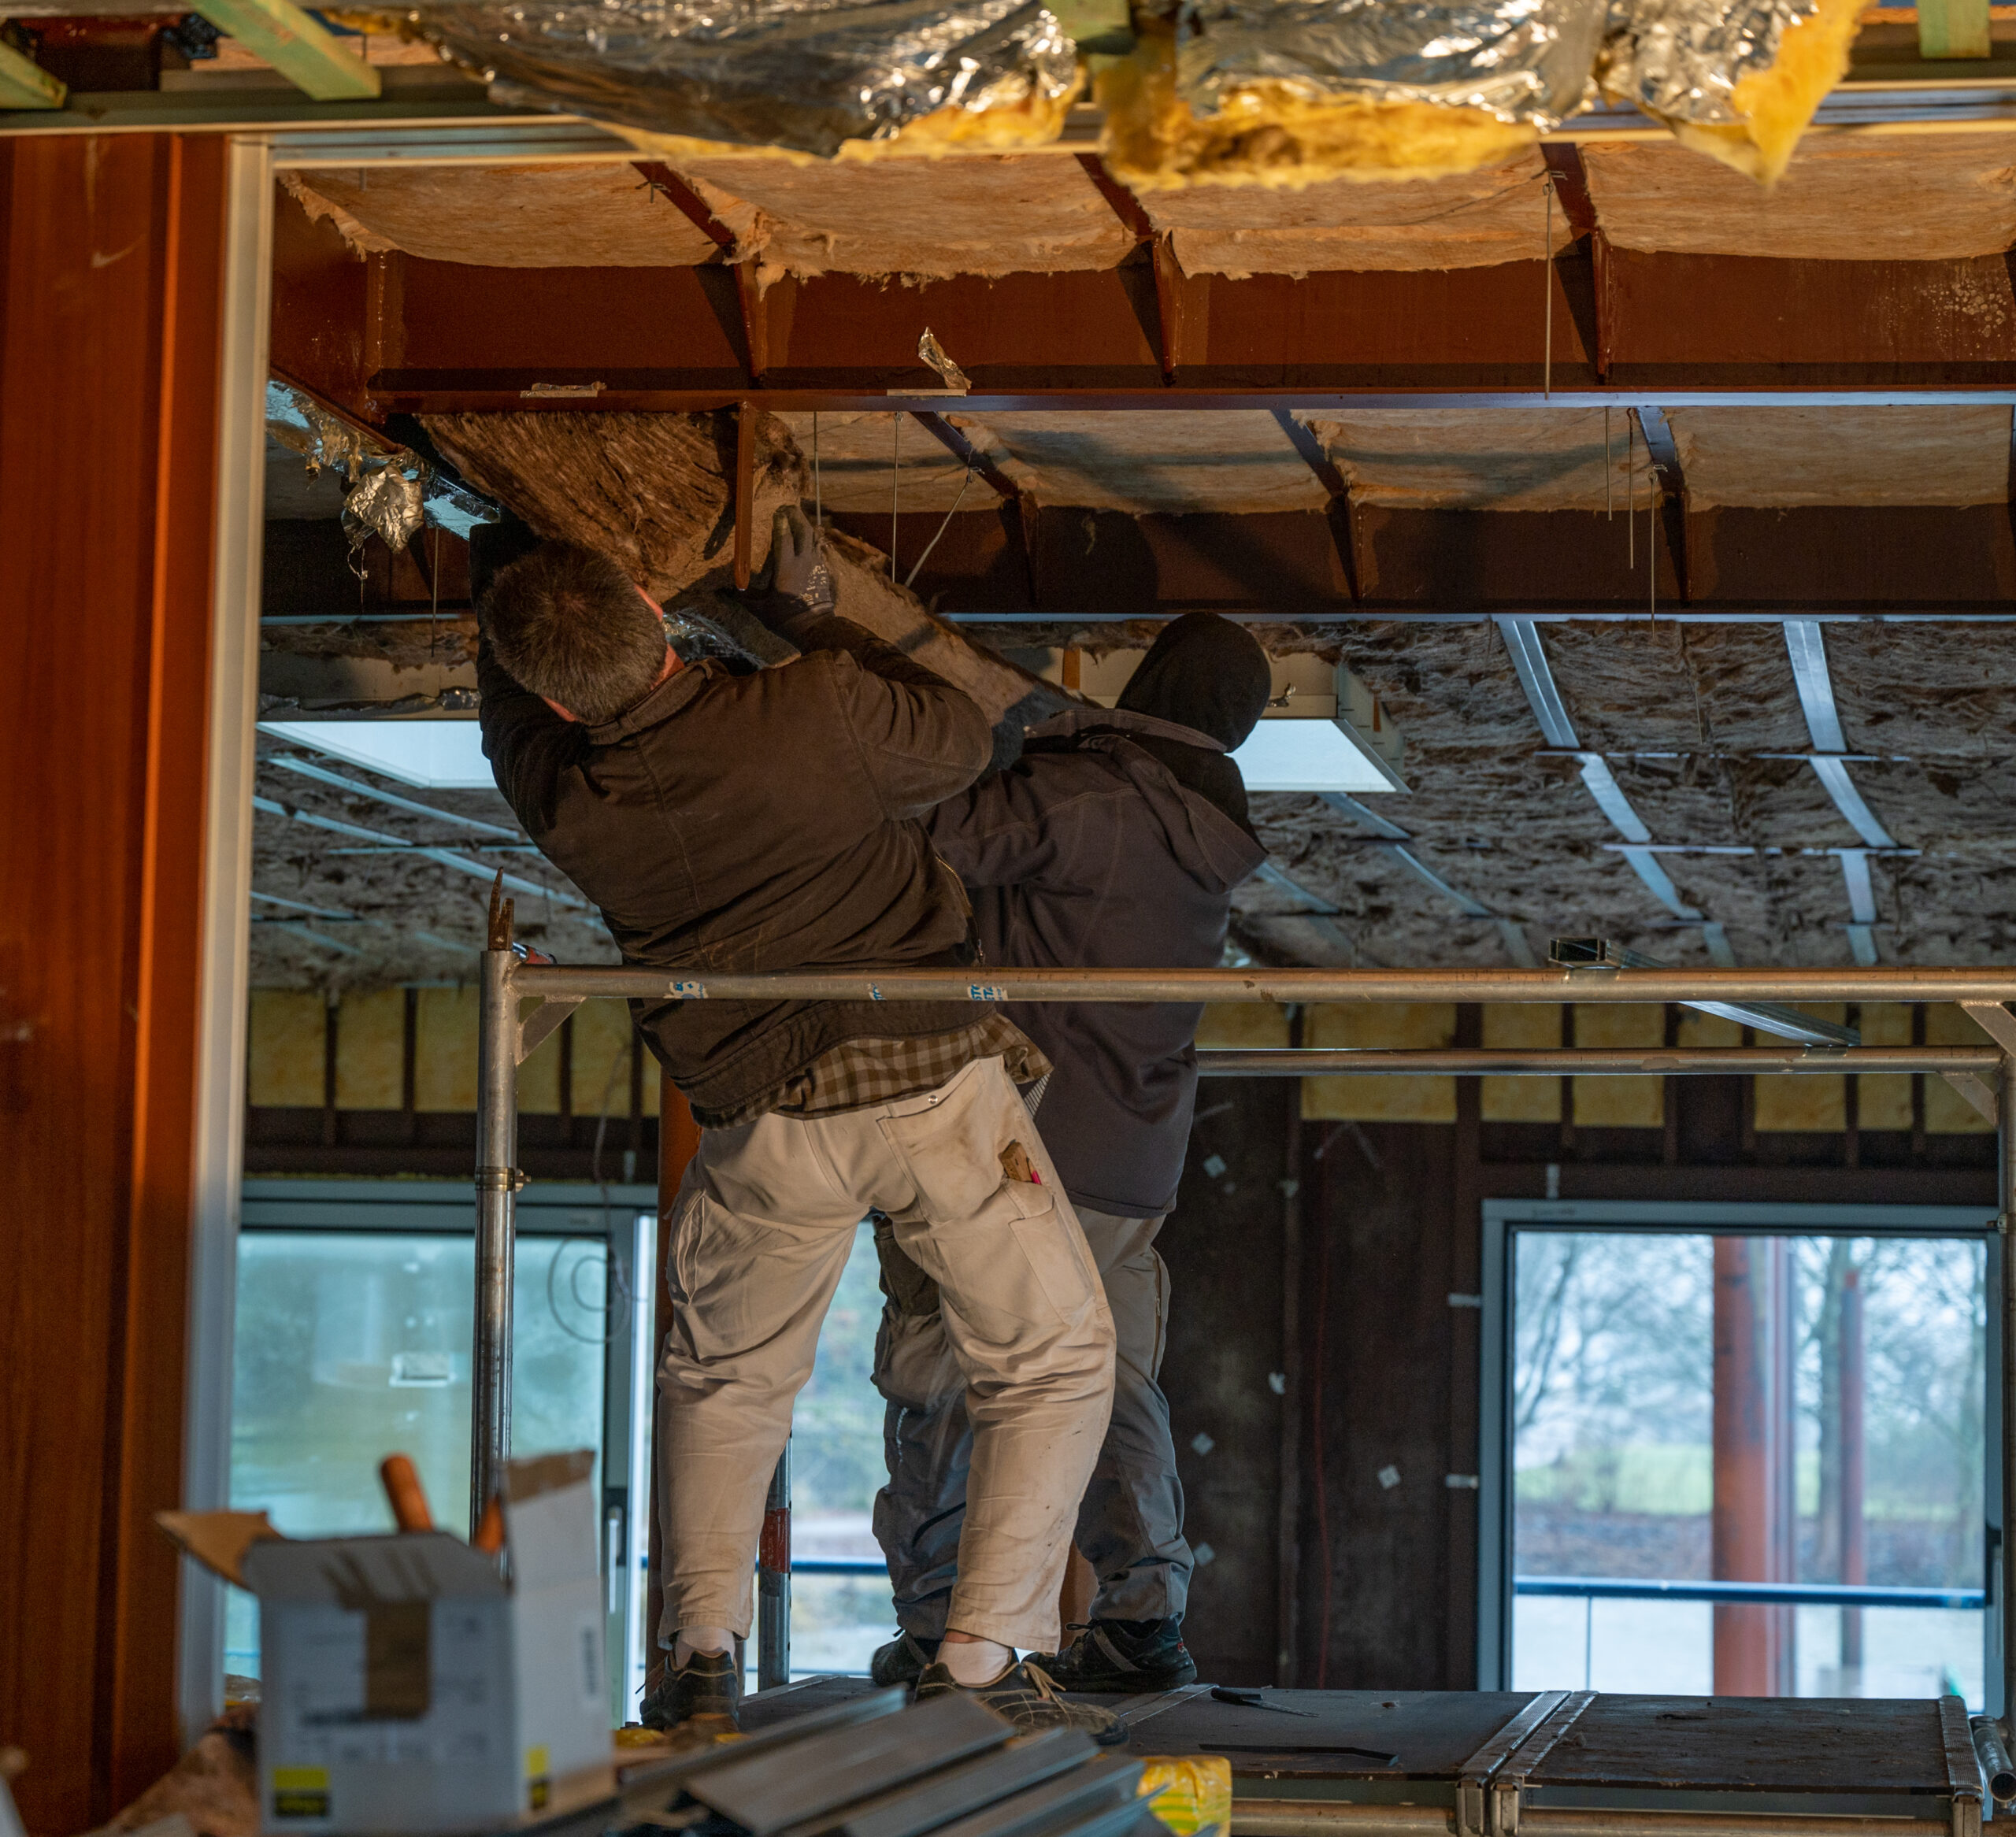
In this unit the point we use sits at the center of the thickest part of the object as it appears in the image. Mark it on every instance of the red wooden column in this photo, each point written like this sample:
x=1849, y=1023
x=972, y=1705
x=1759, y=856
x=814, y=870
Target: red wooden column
x=1752, y=1523
x=110, y=282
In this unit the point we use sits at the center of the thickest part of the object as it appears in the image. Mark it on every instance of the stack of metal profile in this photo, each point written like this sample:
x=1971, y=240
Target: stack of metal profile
x=872, y=1766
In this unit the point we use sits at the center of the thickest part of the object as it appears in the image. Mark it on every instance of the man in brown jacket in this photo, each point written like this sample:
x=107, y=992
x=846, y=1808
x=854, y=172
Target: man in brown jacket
x=770, y=821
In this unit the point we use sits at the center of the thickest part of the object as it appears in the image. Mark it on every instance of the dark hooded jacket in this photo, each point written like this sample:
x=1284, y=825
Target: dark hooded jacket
x=1114, y=842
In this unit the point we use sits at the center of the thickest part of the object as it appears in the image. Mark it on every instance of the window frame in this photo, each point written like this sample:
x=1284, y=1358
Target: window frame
x=1503, y=1218
x=624, y=1216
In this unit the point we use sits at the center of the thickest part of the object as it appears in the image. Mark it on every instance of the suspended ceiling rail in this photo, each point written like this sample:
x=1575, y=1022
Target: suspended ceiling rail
x=1987, y=985
x=428, y=122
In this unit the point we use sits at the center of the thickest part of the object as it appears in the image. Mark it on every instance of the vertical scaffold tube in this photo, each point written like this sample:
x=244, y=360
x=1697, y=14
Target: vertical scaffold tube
x=2005, y=1119
x=774, y=1581
x=496, y=1225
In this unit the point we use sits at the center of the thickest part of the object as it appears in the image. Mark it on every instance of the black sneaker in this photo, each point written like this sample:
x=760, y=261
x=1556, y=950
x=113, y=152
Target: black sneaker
x=1025, y=1694
x=1133, y=1657
x=903, y=1661
x=699, y=1697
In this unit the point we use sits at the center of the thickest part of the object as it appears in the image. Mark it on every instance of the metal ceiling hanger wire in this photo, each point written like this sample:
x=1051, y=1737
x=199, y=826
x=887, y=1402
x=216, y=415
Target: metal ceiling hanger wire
x=1546, y=284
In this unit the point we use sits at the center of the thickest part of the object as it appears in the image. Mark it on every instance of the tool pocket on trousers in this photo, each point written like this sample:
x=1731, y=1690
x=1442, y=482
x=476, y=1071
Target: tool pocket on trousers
x=951, y=1143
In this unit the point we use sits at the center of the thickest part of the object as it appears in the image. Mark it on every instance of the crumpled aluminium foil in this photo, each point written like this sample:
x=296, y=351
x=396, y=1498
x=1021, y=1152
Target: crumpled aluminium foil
x=759, y=73
x=1525, y=60
x=1681, y=59
x=387, y=504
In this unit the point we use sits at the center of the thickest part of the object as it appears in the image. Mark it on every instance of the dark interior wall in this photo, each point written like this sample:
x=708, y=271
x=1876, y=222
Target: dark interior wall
x=1383, y=1372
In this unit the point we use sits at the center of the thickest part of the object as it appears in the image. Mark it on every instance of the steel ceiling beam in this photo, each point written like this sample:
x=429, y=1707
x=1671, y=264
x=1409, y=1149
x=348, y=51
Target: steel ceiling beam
x=1664, y=454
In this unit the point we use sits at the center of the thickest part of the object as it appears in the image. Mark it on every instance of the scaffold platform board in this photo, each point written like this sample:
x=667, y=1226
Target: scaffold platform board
x=1550, y=1763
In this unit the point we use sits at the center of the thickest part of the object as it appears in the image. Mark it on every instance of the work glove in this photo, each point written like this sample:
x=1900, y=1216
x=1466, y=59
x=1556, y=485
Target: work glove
x=797, y=568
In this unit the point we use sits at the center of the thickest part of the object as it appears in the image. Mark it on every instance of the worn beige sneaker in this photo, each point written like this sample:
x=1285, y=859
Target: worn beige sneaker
x=1025, y=1695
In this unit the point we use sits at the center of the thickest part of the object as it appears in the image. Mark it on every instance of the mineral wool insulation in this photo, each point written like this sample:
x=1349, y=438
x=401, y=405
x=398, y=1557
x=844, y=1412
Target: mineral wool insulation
x=1904, y=197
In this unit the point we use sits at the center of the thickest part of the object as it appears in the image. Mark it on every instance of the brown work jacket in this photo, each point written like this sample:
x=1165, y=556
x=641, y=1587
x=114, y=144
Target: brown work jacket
x=752, y=823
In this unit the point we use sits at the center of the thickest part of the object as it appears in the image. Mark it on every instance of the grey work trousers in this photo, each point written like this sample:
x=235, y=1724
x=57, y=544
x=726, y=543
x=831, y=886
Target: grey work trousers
x=1130, y=1521
x=765, y=1218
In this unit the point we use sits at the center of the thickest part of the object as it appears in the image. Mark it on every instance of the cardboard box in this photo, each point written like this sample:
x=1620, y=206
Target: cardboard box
x=407, y=1686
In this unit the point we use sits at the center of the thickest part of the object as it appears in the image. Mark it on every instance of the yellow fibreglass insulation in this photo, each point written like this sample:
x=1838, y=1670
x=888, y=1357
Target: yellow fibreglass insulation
x=1472, y=220
x=1844, y=197
x=1776, y=104
x=986, y=214
x=1276, y=133
x=1783, y=457
x=1385, y=1100
x=505, y=217
x=1529, y=1026
x=1634, y=1102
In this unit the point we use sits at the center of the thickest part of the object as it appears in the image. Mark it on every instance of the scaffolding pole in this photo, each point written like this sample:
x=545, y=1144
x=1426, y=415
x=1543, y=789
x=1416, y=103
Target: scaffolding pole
x=505, y=1035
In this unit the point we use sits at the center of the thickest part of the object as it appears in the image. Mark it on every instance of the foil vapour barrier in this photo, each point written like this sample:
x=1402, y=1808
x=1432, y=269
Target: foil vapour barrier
x=1681, y=59
x=1527, y=61
x=764, y=72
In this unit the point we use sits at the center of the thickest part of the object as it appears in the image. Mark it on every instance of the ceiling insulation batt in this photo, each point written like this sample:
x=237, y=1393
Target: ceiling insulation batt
x=807, y=78
x=1737, y=79
x=1290, y=92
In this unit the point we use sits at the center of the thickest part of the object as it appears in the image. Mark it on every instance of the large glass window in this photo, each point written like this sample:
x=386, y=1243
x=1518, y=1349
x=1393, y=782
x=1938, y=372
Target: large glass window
x=352, y=1341
x=1745, y=1463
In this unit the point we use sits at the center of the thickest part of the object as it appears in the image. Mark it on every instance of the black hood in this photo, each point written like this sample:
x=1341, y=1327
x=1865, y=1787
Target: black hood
x=1210, y=675
x=1203, y=672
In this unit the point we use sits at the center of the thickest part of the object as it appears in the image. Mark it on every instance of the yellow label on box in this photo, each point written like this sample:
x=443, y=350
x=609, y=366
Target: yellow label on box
x=301, y=1792
x=538, y=1774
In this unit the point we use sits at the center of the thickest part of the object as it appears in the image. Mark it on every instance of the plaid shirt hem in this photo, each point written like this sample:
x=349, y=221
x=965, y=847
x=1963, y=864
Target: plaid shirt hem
x=859, y=1073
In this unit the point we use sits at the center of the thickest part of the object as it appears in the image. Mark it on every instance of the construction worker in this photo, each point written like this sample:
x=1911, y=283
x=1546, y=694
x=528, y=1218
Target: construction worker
x=1116, y=839
x=767, y=821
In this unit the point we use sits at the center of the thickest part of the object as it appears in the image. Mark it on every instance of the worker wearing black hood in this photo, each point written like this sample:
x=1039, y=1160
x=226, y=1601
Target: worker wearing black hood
x=1115, y=841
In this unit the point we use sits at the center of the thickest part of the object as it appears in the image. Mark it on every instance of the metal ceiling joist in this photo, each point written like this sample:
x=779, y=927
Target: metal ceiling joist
x=1522, y=640
x=1394, y=839
x=445, y=857
x=1599, y=957
x=1529, y=661
x=300, y=47
x=1806, y=646
x=1995, y=1021
x=356, y=788
x=24, y=84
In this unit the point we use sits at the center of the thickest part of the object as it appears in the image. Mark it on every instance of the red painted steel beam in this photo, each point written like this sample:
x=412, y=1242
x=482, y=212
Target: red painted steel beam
x=1161, y=254
x=748, y=295
x=1343, y=522
x=1587, y=281
x=966, y=453
x=1665, y=455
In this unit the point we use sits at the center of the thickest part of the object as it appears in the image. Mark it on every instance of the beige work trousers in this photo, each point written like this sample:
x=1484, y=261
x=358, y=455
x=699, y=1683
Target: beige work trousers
x=766, y=1216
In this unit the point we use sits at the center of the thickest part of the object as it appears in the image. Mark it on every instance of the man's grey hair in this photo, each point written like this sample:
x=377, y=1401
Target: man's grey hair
x=569, y=624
